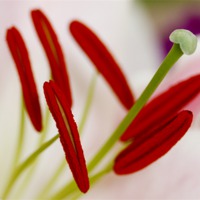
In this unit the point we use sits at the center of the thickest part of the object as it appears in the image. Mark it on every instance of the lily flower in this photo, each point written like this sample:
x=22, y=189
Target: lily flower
x=141, y=153
x=53, y=51
x=21, y=58
x=103, y=61
x=176, y=171
x=163, y=107
x=69, y=135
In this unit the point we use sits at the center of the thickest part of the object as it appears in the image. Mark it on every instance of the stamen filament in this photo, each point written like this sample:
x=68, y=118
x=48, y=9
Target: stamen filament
x=52, y=181
x=88, y=103
x=20, y=142
x=24, y=165
x=31, y=172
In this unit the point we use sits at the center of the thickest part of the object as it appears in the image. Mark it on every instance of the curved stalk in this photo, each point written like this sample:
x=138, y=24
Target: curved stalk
x=42, y=138
x=27, y=163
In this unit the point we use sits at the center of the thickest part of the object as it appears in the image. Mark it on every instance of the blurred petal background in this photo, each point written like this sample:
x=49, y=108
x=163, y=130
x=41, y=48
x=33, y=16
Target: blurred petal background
x=135, y=32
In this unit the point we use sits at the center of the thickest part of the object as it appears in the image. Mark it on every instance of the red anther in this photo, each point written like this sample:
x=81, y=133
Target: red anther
x=163, y=107
x=141, y=153
x=20, y=55
x=69, y=135
x=53, y=52
x=103, y=61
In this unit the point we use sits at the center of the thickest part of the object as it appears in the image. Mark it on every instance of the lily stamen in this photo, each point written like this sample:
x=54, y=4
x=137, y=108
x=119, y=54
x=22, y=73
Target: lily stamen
x=20, y=55
x=141, y=153
x=53, y=51
x=69, y=135
x=163, y=107
x=103, y=61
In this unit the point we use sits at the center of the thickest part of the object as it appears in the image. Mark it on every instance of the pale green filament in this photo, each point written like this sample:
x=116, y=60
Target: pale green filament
x=20, y=141
x=42, y=138
x=21, y=134
x=24, y=165
x=53, y=179
x=88, y=103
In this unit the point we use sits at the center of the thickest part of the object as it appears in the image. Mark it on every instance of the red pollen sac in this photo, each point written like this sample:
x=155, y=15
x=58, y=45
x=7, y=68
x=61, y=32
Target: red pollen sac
x=20, y=55
x=69, y=135
x=163, y=107
x=104, y=62
x=141, y=153
x=53, y=52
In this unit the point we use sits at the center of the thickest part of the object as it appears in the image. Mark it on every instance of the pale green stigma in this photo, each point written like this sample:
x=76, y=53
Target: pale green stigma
x=186, y=39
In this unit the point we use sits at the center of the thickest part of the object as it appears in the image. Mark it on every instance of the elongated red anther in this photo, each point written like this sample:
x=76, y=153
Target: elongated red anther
x=141, y=153
x=69, y=135
x=104, y=61
x=53, y=52
x=20, y=55
x=163, y=107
